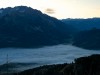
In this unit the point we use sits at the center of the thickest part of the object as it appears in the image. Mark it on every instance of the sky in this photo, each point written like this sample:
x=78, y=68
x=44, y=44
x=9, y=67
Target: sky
x=60, y=8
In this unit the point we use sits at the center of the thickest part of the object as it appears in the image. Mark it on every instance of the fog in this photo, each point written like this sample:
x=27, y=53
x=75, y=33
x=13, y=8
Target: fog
x=46, y=55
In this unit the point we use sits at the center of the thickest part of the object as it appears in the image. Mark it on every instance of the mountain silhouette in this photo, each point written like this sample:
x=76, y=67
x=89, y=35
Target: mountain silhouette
x=89, y=39
x=23, y=26
x=83, y=24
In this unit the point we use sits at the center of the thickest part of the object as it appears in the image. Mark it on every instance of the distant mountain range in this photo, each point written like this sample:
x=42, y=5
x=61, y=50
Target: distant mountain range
x=83, y=24
x=88, y=36
x=23, y=26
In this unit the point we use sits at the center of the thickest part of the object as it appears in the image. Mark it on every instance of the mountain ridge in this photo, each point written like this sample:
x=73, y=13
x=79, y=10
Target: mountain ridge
x=23, y=26
x=83, y=24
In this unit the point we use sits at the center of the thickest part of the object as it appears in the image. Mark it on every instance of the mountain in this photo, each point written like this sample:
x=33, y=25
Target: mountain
x=88, y=36
x=83, y=24
x=89, y=39
x=23, y=26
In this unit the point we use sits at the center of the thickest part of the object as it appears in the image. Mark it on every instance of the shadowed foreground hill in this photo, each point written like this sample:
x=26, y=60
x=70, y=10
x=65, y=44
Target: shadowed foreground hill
x=23, y=26
x=83, y=66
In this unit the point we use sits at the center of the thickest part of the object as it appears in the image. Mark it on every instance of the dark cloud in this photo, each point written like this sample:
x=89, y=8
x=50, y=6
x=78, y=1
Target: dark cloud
x=50, y=11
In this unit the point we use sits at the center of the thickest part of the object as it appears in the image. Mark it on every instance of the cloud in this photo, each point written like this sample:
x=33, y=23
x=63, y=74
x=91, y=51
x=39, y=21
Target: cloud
x=50, y=11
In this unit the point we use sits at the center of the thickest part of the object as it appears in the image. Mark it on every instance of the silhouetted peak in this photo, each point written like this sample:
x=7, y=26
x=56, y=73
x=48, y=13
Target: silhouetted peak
x=19, y=9
x=24, y=9
x=31, y=28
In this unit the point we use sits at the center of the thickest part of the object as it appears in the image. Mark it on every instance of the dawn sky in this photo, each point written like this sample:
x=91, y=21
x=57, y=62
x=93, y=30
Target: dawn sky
x=60, y=8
